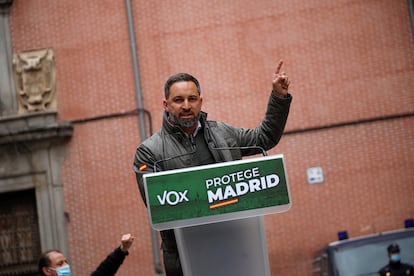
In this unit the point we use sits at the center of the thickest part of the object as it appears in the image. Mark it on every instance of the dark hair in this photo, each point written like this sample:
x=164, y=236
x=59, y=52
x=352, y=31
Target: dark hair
x=44, y=260
x=180, y=77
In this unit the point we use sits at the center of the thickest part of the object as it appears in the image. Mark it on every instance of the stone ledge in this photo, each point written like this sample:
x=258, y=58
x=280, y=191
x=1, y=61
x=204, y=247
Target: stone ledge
x=36, y=126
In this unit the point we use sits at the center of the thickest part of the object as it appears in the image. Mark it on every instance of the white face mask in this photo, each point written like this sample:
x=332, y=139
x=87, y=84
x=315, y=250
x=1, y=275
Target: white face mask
x=62, y=271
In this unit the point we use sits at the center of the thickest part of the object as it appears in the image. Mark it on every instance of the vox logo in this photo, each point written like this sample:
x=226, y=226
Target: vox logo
x=172, y=197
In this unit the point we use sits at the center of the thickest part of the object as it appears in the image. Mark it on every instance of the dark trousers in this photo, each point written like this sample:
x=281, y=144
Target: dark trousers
x=171, y=258
x=172, y=264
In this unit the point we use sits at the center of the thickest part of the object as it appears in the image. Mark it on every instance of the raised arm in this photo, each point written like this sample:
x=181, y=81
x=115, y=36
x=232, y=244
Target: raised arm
x=114, y=260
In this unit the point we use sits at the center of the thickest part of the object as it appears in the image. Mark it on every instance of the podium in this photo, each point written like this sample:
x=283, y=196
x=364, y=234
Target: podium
x=217, y=212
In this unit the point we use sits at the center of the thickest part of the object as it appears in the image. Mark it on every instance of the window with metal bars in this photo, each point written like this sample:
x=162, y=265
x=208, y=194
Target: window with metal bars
x=19, y=233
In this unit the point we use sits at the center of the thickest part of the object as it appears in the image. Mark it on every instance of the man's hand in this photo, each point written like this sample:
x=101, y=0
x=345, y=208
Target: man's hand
x=280, y=82
x=126, y=242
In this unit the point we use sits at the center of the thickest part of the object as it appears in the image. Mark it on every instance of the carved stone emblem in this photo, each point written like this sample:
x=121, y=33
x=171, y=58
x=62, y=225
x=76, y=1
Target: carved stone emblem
x=35, y=78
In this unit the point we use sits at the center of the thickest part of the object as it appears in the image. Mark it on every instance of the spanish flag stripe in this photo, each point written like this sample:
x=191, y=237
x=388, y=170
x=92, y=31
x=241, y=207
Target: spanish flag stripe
x=224, y=203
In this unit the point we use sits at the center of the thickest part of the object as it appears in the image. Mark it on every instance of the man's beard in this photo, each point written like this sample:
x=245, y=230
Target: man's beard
x=184, y=123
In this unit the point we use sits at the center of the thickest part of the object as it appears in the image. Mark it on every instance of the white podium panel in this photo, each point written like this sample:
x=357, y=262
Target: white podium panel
x=235, y=247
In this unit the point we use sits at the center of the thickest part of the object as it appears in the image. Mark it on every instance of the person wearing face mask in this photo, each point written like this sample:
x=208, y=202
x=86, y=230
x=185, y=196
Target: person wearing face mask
x=54, y=263
x=395, y=267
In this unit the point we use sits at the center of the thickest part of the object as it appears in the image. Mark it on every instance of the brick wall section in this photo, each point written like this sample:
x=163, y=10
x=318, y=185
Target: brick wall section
x=348, y=60
x=367, y=189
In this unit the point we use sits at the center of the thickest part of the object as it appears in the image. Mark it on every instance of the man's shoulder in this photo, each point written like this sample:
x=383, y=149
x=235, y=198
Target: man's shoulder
x=384, y=269
x=403, y=266
x=407, y=269
x=217, y=124
x=154, y=141
x=157, y=135
x=211, y=123
x=408, y=266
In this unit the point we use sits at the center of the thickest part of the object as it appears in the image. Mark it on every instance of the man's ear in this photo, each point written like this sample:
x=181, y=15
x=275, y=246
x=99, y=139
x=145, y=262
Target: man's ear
x=165, y=105
x=46, y=271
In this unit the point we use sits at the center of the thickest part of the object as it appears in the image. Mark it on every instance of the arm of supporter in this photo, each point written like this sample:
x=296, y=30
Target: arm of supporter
x=114, y=260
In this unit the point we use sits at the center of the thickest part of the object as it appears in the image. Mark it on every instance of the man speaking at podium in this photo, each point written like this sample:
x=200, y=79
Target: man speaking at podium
x=188, y=139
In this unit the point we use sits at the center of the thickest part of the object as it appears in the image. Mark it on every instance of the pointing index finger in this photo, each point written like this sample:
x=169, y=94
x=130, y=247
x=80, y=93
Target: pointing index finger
x=279, y=66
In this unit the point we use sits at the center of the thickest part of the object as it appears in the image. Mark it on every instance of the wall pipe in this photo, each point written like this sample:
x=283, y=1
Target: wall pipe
x=136, y=70
x=141, y=117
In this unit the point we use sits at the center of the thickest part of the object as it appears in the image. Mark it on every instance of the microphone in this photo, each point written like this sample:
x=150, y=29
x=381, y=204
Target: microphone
x=244, y=148
x=156, y=163
x=193, y=143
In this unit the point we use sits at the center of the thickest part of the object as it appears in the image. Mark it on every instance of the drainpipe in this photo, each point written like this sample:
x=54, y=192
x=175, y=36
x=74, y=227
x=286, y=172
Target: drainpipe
x=141, y=117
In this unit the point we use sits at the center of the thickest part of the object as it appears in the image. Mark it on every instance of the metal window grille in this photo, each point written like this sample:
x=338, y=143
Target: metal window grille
x=19, y=234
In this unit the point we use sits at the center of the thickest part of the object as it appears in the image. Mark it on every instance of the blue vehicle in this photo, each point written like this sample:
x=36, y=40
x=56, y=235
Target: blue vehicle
x=363, y=256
